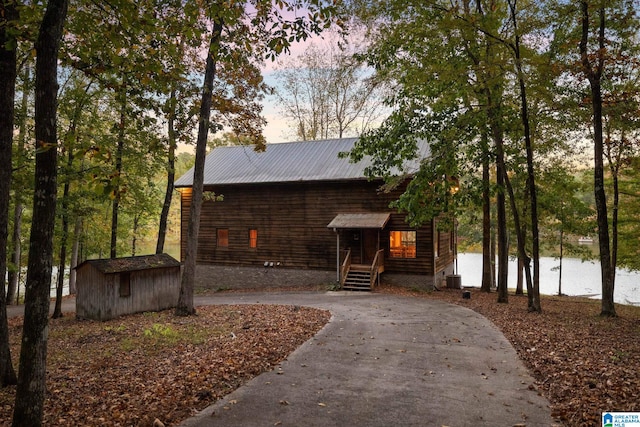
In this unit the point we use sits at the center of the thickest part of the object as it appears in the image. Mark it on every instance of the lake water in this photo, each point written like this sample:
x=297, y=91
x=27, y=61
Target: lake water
x=578, y=278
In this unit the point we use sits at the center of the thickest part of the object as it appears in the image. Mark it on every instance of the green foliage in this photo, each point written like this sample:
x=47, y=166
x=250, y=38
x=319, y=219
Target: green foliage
x=563, y=214
x=629, y=219
x=161, y=332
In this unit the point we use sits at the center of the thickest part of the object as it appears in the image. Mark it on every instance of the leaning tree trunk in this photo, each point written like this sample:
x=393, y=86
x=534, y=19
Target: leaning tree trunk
x=31, y=389
x=8, y=75
x=526, y=260
x=185, y=300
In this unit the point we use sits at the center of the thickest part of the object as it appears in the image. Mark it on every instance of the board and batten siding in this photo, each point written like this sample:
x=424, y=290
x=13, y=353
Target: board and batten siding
x=98, y=294
x=291, y=219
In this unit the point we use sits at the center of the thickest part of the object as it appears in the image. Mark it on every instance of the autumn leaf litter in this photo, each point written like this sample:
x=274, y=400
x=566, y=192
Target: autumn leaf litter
x=136, y=369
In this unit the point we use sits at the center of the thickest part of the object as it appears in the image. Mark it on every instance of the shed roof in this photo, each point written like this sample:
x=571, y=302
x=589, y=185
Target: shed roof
x=285, y=162
x=360, y=220
x=136, y=263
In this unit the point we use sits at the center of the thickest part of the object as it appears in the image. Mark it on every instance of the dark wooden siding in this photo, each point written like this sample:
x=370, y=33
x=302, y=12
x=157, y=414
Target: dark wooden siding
x=447, y=250
x=291, y=220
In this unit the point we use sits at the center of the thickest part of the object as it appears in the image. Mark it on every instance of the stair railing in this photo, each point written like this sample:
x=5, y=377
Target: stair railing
x=344, y=270
x=377, y=267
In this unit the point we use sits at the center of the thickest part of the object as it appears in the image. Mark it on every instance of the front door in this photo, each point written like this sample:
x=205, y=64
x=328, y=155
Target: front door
x=369, y=245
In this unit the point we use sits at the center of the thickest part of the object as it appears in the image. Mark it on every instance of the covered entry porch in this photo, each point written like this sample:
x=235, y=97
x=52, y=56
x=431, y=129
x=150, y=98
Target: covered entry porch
x=359, y=256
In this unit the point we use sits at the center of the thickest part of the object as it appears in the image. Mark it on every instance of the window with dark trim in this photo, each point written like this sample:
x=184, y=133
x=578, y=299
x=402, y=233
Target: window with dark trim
x=402, y=244
x=125, y=284
x=223, y=238
x=253, y=238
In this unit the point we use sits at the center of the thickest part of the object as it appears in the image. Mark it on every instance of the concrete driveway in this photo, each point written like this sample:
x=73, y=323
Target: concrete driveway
x=385, y=361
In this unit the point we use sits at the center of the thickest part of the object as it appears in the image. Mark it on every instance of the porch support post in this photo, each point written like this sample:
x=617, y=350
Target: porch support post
x=337, y=255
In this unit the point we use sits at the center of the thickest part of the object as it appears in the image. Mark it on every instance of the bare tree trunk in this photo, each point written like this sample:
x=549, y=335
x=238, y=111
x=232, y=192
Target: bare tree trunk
x=487, y=262
x=520, y=277
x=594, y=76
x=561, y=256
x=77, y=230
x=503, y=243
x=16, y=240
x=31, y=389
x=497, y=135
x=534, y=292
x=122, y=98
x=8, y=75
x=171, y=174
x=494, y=255
x=57, y=311
x=185, y=301
x=134, y=239
x=16, y=251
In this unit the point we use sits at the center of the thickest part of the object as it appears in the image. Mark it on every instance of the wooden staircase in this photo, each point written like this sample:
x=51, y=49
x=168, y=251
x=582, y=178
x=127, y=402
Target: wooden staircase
x=358, y=278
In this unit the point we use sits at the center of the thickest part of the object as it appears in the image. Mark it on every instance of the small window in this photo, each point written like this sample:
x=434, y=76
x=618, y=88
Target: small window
x=125, y=284
x=253, y=238
x=223, y=238
x=402, y=244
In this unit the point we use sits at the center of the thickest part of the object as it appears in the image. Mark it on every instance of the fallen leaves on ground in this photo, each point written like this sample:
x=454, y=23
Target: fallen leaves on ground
x=583, y=363
x=135, y=369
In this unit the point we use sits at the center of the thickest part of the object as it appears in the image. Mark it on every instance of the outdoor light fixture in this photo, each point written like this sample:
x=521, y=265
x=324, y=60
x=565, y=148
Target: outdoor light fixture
x=454, y=184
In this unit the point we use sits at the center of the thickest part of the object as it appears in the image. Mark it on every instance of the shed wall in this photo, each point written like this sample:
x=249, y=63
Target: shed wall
x=91, y=284
x=99, y=297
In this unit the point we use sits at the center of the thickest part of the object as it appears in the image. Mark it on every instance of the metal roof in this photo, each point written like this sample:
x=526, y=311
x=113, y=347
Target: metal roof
x=360, y=220
x=285, y=162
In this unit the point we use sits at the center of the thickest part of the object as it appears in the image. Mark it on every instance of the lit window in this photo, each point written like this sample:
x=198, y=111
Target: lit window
x=253, y=238
x=402, y=244
x=223, y=237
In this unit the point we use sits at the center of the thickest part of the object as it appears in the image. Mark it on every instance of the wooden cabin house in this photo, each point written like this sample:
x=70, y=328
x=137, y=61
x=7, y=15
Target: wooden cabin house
x=108, y=288
x=300, y=206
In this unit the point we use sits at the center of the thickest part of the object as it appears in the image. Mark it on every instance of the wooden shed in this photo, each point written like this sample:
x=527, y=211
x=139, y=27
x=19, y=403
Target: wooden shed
x=108, y=288
x=301, y=205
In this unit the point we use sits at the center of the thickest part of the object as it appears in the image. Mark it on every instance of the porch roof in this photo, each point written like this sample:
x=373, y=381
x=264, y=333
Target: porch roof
x=360, y=220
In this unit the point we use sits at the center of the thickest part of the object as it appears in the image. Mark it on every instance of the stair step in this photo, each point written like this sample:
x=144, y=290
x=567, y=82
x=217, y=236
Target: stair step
x=358, y=278
x=353, y=288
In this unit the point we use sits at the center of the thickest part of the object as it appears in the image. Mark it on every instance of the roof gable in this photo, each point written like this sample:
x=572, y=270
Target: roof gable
x=285, y=162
